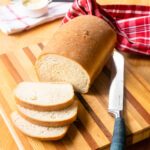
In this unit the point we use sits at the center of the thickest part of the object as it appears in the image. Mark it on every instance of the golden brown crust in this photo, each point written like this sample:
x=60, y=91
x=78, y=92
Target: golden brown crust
x=44, y=108
x=88, y=40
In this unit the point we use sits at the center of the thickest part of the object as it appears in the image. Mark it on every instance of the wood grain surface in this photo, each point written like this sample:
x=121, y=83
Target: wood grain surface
x=94, y=126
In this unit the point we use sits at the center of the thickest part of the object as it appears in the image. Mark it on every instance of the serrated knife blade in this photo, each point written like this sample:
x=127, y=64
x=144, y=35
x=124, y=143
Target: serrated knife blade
x=115, y=106
x=116, y=89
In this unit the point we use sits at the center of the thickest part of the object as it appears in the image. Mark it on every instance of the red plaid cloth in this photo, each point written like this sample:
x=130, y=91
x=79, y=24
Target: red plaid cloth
x=131, y=22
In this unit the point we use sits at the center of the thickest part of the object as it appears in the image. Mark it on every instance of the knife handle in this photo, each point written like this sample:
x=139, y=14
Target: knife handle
x=119, y=135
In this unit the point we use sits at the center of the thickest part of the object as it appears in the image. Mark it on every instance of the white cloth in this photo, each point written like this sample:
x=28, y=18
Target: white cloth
x=13, y=18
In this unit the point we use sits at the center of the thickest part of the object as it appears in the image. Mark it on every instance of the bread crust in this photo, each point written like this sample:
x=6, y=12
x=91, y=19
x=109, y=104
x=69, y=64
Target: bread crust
x=87, y=40
x=50, y=123
x=46, y=107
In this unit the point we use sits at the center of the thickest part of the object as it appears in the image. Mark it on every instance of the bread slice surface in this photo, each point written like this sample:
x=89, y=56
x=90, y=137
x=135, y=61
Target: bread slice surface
x=44, y=95
x=57, y=68
x=50, y=118
x=36, y=131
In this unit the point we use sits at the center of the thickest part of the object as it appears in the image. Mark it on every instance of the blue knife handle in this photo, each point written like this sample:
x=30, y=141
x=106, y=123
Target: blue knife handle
x=119, y=135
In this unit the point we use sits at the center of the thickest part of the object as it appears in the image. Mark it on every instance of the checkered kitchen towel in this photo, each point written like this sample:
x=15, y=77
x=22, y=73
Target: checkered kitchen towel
x=131, y=22
x=13, y=18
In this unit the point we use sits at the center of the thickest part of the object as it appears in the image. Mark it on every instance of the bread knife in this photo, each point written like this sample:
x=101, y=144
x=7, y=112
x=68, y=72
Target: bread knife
x=115, y=106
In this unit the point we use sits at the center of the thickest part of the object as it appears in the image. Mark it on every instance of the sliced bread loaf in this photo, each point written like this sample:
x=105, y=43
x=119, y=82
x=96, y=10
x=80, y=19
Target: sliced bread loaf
x=44, y=96
x=50, y=118
x=36, y=131
x=77, y=52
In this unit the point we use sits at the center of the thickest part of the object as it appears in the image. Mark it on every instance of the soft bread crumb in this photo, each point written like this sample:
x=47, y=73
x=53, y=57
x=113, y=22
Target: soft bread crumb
x=44, y=93
x=36, y=130
x=48, y=116
x=54, y=68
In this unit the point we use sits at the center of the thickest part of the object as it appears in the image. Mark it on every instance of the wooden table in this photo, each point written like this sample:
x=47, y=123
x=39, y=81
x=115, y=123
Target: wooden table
x=42, y=33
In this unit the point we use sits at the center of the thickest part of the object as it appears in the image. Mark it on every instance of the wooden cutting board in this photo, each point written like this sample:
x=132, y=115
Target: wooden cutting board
x=94, y=127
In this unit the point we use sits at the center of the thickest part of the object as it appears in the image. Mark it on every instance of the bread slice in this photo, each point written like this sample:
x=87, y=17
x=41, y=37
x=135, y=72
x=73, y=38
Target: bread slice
x=50, y=118
x=77, y=52
x=44, y=96
x=36, y=131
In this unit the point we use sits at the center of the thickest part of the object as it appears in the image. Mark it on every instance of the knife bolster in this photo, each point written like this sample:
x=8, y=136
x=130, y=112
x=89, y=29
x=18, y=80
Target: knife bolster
x=116, y=114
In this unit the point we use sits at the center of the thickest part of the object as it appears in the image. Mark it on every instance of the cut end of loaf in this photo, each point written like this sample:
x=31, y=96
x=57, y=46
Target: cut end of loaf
x=56, y=68
x=48, y=96
x=36, y=131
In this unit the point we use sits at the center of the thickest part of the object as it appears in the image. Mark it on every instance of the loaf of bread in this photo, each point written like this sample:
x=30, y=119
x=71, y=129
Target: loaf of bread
x=77, y=52
x=50, y=118
x=44, y=96
x=36, y=131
